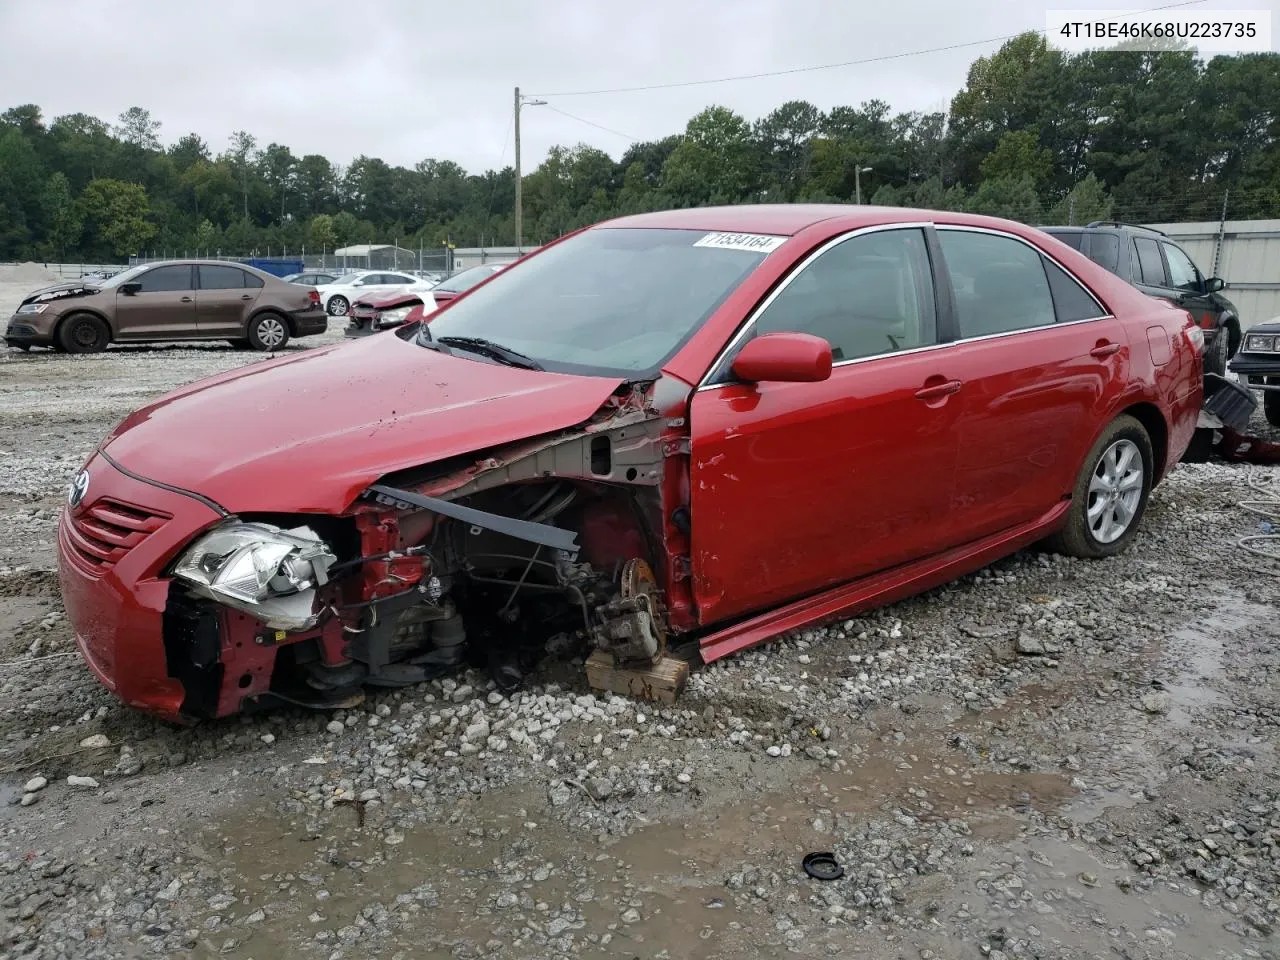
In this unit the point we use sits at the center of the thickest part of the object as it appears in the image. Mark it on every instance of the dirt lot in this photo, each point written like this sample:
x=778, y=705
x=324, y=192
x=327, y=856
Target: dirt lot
x=1050, y=759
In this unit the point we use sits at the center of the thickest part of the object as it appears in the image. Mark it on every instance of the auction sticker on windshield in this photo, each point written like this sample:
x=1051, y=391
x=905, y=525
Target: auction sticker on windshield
x=752, y=242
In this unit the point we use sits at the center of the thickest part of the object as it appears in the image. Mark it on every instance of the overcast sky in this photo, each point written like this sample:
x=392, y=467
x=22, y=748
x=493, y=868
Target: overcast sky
x=409, y=79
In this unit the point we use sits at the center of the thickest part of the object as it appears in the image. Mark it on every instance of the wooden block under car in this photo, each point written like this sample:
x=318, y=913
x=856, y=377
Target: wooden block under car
x=662, y=682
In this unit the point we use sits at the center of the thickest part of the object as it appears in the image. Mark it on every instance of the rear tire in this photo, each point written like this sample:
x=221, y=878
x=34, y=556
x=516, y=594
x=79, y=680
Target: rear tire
x=338, y=306
x=1110, y=495
x=83, y=333
x=1271, y=405
x=268, y=331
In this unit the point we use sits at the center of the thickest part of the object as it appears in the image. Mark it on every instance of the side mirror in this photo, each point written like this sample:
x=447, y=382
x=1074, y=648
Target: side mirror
x=1214, y=284
x=129, y=289
x=784, y=358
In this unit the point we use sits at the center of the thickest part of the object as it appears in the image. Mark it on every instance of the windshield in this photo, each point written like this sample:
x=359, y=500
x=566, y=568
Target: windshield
x=467, y=279
x=124, y=276
x=607, y=301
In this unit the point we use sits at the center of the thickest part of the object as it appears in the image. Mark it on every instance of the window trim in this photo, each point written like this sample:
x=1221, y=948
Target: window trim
x=1105, y=315
x=944, y=296
x=749, y=323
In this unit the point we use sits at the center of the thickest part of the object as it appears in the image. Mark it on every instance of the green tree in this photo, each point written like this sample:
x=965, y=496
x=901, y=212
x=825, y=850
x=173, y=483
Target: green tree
x=1086, y=202
x=1014, y=198
x=242, y=146
x=116, y=215
x=714, y=161
x=322, y=234
x=63, y=219
x=138, y=129
x=206, y=237
x=1018, y=154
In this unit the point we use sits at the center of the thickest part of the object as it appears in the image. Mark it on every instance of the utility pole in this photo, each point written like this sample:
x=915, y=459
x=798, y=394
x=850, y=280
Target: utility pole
x=520, y=101
x=519, y=198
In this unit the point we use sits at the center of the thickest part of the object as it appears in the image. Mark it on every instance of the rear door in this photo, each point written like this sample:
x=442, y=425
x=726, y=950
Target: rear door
x=799, y=486
x=164, y=307
x=224, y=299
x=1041, y=359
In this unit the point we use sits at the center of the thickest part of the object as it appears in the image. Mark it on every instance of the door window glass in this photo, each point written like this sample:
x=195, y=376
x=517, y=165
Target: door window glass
x=1071, y=302
x=1104, y=250
x=164, y=279
x=221, y=278
x=1000, y=283
x=870, y=295
x=1149, y=261
x=1182, y=272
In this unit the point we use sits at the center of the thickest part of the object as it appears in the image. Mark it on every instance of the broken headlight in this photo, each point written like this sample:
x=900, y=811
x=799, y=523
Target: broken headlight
x=261, y=569
x=390, y=318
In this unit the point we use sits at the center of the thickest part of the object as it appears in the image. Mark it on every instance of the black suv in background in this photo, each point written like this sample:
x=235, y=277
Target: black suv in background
x=1158, y=267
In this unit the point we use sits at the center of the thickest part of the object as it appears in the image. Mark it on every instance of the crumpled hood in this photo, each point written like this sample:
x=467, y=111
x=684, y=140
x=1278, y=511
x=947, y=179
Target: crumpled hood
x=309, y=433
x=59, y=290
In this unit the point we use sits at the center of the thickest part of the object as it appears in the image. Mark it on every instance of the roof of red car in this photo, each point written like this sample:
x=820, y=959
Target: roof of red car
x=778, y=219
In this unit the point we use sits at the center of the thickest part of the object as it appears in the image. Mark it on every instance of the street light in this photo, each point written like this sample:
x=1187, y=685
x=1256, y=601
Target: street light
x=519, y=102
x=857, y=182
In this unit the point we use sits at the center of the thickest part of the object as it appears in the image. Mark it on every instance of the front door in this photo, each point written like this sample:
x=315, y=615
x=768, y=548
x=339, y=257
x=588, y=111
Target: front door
x=225, y=299
x=801, y=486
x=1041, y=359
x=1187, y=287
x=163, y=308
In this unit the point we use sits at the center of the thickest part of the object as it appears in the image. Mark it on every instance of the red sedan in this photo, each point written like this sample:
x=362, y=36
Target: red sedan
x=713, y=425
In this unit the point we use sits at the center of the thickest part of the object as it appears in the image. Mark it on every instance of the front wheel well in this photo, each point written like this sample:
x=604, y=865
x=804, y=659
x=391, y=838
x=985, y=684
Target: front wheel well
x=72, y=314
x=1152, y=420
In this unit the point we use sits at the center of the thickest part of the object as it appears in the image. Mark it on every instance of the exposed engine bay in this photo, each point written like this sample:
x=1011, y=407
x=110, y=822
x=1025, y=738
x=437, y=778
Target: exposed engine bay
x=554, y=544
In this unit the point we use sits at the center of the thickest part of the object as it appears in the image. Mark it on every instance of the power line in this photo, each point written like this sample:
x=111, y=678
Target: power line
x=590, y=123
x=506, y=137
x=834, y=66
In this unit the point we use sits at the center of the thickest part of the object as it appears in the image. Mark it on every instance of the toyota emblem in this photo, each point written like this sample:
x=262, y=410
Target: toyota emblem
x=79, y=487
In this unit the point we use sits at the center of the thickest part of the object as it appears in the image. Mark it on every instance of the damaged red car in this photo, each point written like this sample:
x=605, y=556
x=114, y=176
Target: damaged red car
x=690, y=430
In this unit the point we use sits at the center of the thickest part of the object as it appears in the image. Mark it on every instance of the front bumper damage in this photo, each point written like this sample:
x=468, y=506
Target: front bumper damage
x=548, y=543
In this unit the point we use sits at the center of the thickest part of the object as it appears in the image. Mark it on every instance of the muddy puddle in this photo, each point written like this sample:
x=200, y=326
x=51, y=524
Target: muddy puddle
x=440, y=882
x=1200, y=651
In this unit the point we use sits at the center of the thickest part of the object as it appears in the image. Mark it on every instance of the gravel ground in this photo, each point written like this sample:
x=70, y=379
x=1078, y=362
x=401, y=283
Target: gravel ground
x=1050, y=759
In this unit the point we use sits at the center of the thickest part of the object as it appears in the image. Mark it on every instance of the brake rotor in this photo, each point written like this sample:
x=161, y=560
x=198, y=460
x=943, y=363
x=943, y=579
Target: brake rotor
x=638, y=580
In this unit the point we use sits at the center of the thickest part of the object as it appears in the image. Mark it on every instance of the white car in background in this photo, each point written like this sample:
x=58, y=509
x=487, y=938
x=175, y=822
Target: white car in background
x=338, y=296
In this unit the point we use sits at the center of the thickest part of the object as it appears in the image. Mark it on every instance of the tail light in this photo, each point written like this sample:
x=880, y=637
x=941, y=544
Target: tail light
x=314, y=297
x=1208, y=321
x=1195, y=337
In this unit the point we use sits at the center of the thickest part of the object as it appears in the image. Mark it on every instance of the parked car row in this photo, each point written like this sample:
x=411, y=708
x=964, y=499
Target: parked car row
x=173, y=300
x=708, y=426
x=381, y=310
x=209, y=300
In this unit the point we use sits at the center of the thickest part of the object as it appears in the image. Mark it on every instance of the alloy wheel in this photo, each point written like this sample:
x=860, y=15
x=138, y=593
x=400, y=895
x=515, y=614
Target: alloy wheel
x=271, y=332
x=1115, y=491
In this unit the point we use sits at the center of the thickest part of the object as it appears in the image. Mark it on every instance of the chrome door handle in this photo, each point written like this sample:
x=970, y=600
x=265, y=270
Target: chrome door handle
x=184, y=300
x=937, y=391
x=1104, y=350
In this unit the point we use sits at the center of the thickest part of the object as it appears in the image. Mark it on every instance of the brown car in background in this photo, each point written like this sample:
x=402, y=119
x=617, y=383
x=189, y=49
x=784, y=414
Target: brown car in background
x=173, y=300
